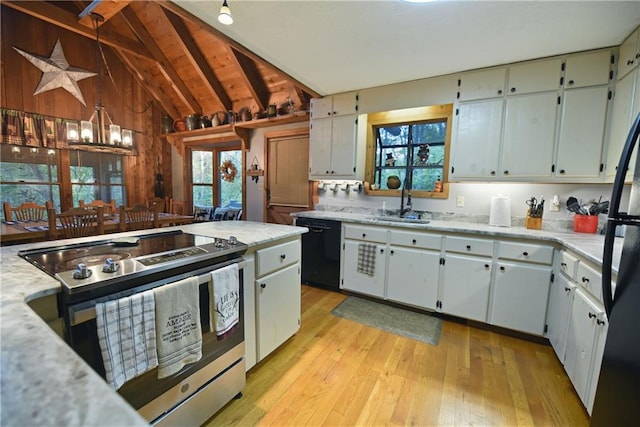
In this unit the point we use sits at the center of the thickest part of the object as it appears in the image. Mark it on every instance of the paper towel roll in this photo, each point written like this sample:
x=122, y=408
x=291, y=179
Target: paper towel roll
x=500, y=211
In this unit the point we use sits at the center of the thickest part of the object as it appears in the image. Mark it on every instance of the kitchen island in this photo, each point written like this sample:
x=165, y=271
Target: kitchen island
x=44, y=382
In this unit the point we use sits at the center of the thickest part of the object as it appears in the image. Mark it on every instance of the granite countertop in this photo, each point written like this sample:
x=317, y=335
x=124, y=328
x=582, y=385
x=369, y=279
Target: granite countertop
x=590, y=246
x=43, y=381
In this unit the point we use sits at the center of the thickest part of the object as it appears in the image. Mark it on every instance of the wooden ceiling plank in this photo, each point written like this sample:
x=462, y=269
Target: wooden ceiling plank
x=198, y=60
x=303, y=97
x=163, y=62
x=105, y=8
x=253, y=79
x=69, y=21
x=237, y=46
x=149, y=84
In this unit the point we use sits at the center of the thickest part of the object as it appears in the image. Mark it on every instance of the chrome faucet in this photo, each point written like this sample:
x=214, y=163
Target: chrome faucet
x=403, y=209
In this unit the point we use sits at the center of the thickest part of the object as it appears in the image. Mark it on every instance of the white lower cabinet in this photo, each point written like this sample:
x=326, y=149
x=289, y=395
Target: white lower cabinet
x=520, y=294
x=412, y=276
x=587, y=324
x=466, y=283
x=277, y=287
x=361, y=282
x=560, y=299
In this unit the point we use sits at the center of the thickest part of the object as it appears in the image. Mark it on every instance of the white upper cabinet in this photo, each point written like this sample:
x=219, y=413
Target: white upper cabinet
x=629, y=54
x=582, y=131
x=589, y=69
x=529, y=134
x=477, y=149
x=538, y=76
x=333, y=129
x=482, y=84
x=626, y=106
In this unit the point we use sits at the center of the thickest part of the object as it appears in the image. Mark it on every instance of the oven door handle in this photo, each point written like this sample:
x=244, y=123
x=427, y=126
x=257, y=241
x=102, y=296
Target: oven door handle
x=78, y=316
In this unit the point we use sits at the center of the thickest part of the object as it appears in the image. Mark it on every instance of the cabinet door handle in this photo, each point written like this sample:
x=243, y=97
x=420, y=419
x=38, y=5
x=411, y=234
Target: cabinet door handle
x=263, y=285
x=493, y=173
x=468, y=247
x=570, y=82
x=630, y=62
x=591, y=315
x=637, y=55
x=600, y=322
x=327, y=172
x=585, y=279
x=506, y=172
x=499, y=91
x=364, y=235
x=563, y=264
x=562, y=171
x=486, y=266
x=502, y=268
x=414, y=241
x=513, y=89
x=381, y=251
x=567, y=290
x=283, y=256
x=525, y=253
x=391, y=251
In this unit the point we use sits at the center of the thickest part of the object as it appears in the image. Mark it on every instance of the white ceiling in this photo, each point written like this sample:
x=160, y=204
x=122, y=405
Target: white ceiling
x=337, y=46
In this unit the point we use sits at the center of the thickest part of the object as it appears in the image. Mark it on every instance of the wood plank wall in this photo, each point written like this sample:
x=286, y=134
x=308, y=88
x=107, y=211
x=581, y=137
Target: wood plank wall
x=126, y=102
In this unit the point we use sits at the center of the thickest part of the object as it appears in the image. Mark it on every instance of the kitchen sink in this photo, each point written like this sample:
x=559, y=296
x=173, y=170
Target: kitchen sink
x=387, y=218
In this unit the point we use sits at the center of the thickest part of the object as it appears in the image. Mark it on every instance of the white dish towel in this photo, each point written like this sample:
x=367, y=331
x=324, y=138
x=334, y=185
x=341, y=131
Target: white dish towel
x=178, y=330
x=127, y=337
x=224, y=308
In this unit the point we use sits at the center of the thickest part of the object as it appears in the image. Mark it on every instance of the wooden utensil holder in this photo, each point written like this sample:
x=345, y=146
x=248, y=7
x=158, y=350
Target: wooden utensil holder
x=533, y=223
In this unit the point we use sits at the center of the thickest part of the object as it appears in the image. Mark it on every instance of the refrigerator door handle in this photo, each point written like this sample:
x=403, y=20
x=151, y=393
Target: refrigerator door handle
x=614, y=218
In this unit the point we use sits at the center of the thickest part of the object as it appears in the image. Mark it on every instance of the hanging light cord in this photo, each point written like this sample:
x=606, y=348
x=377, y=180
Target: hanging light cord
x=101, y=58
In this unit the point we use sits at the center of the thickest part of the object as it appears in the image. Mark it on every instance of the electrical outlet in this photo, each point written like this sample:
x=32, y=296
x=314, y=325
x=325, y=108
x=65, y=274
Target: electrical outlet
x=352, y=195
x=555, y=204
x=460, y=201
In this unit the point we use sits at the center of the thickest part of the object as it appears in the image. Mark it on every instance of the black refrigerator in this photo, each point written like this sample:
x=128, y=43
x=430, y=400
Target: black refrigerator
x=617, y=401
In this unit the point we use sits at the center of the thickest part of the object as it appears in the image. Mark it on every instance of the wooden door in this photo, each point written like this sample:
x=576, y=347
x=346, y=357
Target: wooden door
x=288, y=187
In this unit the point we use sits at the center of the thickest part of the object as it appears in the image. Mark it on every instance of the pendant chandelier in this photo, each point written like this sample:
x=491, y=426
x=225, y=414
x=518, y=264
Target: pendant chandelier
x=99, y=130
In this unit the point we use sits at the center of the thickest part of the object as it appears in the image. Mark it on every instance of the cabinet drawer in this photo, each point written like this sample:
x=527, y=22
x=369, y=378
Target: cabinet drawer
x=568, y=264
x=276, y=257
x=415, y=240
x=590, y=279
x=468, y=245
x=525, y=252
x=368, y=234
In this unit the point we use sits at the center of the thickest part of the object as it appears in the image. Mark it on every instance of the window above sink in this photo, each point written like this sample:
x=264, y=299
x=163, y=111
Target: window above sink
x=409, y=149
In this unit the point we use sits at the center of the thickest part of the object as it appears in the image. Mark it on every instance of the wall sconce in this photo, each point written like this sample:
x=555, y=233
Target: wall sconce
x=127, y=137
x=114, y=135
x=86, y=132
x=51, y=152
x=72, y=131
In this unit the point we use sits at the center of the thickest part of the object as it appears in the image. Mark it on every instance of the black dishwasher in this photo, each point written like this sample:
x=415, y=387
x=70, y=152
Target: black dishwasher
x=321, y=252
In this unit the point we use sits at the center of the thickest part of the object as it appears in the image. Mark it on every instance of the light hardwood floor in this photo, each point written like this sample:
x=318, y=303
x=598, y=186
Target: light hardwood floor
x=337, y=372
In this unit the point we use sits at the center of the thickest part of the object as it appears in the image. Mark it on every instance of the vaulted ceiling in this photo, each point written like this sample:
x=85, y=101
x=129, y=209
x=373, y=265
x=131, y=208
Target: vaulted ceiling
x=186, y=65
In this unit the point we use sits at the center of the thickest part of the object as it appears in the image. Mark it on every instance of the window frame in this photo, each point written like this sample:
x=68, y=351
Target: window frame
x=408, y=116
x=217, y=151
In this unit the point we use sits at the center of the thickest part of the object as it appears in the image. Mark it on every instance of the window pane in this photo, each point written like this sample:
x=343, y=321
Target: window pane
x=29, y=174
x=231, y=191
x=202, y=167
x=97, y=176
x=428, y=133
x=202, y=195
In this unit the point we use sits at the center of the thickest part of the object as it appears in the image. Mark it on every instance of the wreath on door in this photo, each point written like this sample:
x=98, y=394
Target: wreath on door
x=228, y=171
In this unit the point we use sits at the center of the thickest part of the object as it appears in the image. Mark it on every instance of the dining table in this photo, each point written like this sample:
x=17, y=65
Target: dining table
x=15, y=232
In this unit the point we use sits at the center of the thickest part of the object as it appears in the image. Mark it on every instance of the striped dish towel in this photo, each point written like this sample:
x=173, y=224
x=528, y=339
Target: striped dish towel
x=127, y=337
x=366, y=258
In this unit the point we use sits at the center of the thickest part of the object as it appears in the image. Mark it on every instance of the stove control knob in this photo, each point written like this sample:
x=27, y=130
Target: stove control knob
x=219, y=243
x=110, y=266
x=233, y=240
x=81, y=272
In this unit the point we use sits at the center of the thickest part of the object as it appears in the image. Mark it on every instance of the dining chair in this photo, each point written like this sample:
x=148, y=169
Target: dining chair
x=176, y=207
x=159, y=203
x=109, y=207
x=138, y=217
x=27, y=211
x=76, y=222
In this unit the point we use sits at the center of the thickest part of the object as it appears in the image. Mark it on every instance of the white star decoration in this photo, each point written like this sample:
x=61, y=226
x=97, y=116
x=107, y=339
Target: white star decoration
x=57, y=72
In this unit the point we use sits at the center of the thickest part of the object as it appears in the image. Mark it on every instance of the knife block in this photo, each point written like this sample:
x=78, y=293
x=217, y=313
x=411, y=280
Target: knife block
x=533, y=223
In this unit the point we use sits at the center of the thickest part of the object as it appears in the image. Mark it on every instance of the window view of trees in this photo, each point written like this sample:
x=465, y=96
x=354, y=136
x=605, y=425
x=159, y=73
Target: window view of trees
x=97, y=176
x=204, y=170
x=29, y=174
x=412, y=152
